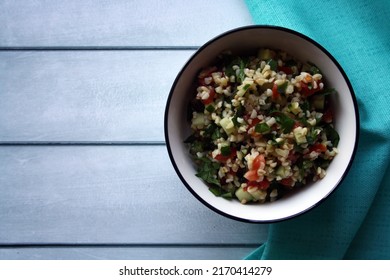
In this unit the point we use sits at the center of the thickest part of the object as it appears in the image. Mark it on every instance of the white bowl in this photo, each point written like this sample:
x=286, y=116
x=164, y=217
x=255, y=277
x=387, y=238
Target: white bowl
x=239, y=40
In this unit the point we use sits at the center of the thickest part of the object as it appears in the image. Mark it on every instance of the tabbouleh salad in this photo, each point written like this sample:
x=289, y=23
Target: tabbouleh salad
x=262, y=126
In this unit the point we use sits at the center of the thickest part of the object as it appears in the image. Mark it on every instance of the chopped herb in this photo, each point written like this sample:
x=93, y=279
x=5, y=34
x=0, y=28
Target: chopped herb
x=262, y=128
x=245, y=88
x=216, y=190
x=239, y=114
x=196, y=147
x=210, y=108
x=273, y=64
x=229, y=71
x=212, y=131
x=305, y=106
x=327, y=91
x=282, y=88
x=207, y=170
x=332, y=135
x=226, y=151
x=227, y=195
x=290, y=63
x=314, y=69
x=284, y=121
x=312, y=136
x=216, y=134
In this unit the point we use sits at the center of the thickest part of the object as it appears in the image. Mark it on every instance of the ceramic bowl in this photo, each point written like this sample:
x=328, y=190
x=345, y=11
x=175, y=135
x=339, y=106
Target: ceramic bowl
x=240, y=41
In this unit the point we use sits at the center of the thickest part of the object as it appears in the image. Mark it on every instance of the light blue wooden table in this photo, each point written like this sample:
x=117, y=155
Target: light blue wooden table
x=84, y=171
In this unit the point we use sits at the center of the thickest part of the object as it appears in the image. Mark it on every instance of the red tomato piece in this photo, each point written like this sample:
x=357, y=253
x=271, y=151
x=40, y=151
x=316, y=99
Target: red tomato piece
x=210, y=98
x=285, y=69
x=263, y=185
x=308, y=91
x=251, y=175
x=293, y=157
x=318, y=147
x=297, y=124
x=288, y=182
x=222, y=158
x=257, y=162
x=275, y=92
x=327, y=116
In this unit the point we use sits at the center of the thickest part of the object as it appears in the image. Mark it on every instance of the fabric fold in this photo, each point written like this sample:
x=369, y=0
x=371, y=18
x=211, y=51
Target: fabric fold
x=357, y=35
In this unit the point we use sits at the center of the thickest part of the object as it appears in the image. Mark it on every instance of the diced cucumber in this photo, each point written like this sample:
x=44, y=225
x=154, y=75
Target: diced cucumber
x=318, y=102
x=294, y=108
x=300, y=135
x=259, y=195
x=227, y=125
x=198, y=120
x=282, y=172
x=265, y=54
x=243, y=196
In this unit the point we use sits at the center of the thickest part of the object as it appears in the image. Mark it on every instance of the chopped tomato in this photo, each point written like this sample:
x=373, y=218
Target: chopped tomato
x=288, y=182
x=251, y=175
x=253, y=124
x=263, y=185
x=211, y=97
x=275, y=92
x=297, y=124
x=223, y=158
x=318, y=147
x=328, y=116
x=292, y=156
x=285, y=69
x=257, y=162
x=307, y=91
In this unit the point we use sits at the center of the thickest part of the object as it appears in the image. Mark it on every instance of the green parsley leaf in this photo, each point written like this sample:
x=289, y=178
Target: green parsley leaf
x=245, y=88
x=273, y=64
x=282, y=88
x=332, y=135
x=210, y=108
x=284, y=121
x=262, y=128
x=208, y=170
x=226, y=150
x=239, y=114
x=196, y=147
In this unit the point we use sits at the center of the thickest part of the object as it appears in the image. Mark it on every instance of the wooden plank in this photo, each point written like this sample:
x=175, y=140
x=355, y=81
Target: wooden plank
x=84, y=95
x=127, y=253
x=105, y=194
x=117, y=23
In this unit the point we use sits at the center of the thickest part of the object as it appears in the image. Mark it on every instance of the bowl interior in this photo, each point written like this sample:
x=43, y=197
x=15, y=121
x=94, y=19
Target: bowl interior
x=240, y=41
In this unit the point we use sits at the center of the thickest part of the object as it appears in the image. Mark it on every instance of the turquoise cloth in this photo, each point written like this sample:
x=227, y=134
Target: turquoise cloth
x=354, y=223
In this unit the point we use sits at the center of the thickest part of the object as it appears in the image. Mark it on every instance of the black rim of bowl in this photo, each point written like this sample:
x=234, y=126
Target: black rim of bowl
x=293, y=32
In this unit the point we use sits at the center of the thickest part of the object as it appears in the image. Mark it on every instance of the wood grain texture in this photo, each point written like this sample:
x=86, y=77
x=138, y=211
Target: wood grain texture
x=86, y=95
x=105, y=194
x=88, y=74
x=117, y=23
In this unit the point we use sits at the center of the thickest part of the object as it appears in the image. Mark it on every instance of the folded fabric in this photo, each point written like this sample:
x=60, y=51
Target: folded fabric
x=354, y=222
